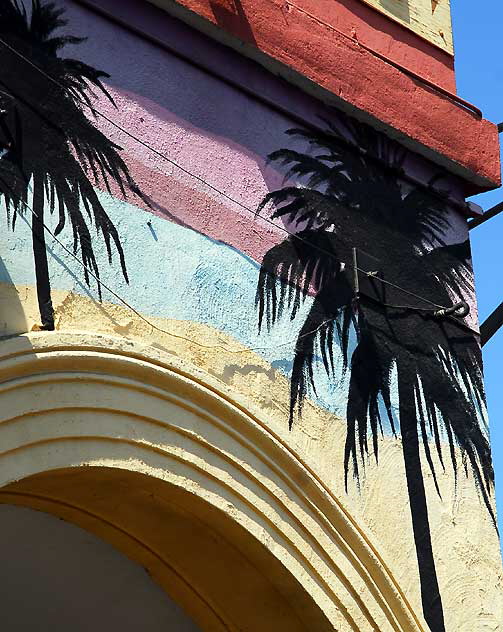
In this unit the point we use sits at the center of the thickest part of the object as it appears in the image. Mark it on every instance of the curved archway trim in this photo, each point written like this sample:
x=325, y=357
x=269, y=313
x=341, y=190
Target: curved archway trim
x=75, y=400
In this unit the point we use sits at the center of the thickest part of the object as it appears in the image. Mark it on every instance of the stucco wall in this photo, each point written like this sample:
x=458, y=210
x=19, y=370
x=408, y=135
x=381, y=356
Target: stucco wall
x=193, y=255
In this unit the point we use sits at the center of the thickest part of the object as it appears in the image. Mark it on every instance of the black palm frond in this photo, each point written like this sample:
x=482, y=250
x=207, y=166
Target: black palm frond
x=370, y=379
x=329, y=320
x=350, y=189
x=430, y=217
x=452, y=385
x=442, y=359
x=14, y=18
x=74, y=195
x=301, y=165
x=45, y=20
x=80, y=78
x=363, y=180
x=300, y=205
x=37, y=29
x=451, y=264
x=306, y=260
x=50, y=137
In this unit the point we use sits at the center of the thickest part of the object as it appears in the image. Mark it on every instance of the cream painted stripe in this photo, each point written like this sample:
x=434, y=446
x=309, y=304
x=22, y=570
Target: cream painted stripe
x=275, y=494
x=313, y=512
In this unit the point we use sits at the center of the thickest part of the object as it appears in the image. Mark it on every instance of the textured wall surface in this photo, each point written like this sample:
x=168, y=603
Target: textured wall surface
x=193, y=249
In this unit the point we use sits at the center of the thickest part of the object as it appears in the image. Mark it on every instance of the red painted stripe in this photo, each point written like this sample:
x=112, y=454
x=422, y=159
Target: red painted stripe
x=428, y=122
x=386, y=37
x=176, y=200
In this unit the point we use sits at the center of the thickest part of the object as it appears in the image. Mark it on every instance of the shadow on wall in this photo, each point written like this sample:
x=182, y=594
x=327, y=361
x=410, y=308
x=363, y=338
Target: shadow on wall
x=12, y=316
x=187, y=93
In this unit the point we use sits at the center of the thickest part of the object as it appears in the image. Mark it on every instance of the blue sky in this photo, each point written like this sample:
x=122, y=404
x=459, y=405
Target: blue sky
x=479, y=72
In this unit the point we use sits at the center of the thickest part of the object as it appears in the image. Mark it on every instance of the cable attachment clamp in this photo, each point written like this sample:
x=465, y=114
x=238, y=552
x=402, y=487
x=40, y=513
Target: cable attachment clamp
x=460, y=310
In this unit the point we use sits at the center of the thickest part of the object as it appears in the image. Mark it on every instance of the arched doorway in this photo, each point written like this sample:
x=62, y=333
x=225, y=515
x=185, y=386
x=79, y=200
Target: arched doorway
x=153, y=457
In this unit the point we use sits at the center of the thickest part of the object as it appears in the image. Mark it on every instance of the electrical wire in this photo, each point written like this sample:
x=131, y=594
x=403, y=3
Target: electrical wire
x=439, y=312
x=90, y=5
x=210, y=186
x=125, y=131
x=222, y=347
x=95, y=111
x=150, y=323
x=371, y=275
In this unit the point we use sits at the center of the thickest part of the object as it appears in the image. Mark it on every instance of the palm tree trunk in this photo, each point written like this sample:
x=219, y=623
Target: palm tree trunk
x=430, y=594
x=40, y=255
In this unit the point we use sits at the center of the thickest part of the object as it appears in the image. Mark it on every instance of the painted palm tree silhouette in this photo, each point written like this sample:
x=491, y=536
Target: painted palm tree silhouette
x=353, y=206
x=52, y=152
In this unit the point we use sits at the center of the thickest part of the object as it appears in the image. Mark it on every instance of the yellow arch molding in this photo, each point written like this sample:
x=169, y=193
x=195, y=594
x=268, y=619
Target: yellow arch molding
x=164, y=462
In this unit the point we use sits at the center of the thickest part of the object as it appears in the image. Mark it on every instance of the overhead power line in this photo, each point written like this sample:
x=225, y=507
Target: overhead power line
x=462, y=207
x=438, y=310
x=150, y=323
x=446, y=311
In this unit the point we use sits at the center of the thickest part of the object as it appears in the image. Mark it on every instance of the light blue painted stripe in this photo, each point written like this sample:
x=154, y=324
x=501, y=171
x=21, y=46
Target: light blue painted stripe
x=175, y=273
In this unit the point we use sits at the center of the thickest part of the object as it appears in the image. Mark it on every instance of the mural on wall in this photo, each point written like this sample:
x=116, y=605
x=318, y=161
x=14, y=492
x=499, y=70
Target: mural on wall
x=53, y=153
x=351, y=206
x=351, y=213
